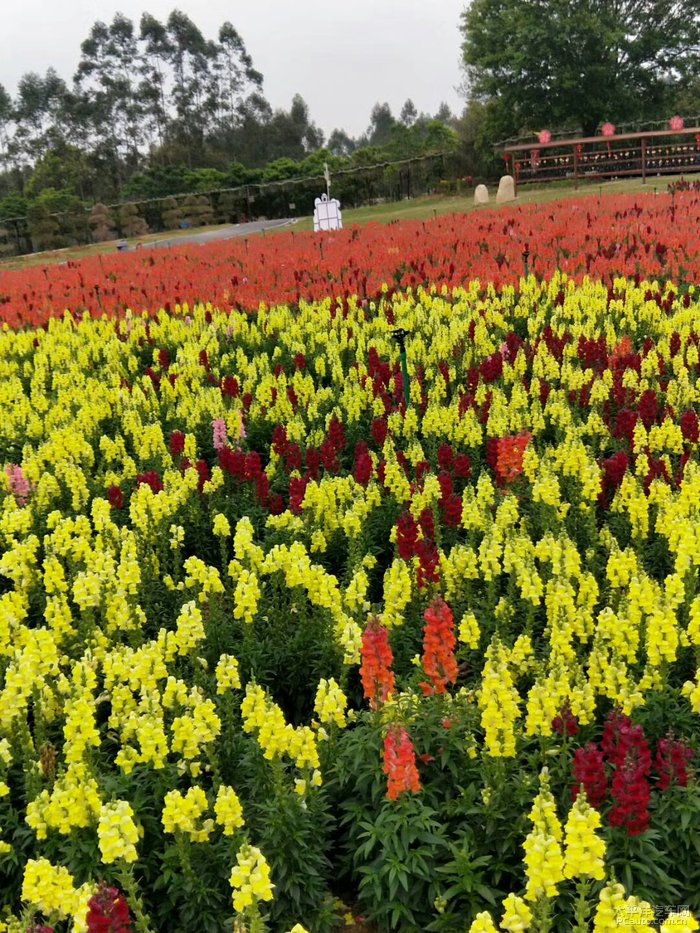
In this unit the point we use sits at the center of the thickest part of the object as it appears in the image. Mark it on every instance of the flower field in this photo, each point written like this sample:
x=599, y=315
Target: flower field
x=290, y=644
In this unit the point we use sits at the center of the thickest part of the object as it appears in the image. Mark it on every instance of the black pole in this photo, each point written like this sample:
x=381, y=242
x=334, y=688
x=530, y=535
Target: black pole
x=399, y=336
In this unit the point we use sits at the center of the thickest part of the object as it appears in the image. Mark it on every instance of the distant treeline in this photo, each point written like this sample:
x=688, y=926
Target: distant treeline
x=157, y=110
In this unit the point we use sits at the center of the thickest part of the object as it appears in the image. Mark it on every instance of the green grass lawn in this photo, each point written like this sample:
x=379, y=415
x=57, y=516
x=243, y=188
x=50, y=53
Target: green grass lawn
x=415, y=209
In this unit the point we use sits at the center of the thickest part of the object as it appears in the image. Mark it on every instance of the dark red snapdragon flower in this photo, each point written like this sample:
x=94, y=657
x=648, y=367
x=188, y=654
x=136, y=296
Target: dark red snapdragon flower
x=203, y=472
x=362, y=466
x=446, y=485
x=462, y=466
x=279, y=440
x=253, y=465
x=232, y=462
x=625, y=423
x=115, y=497
x=108, y=912
x=313, y=462
x=671, y=762
x=406, y=535
x=589, y=773
x=150, y=478
x=297, y=491
x=445, y=457
x=689, y=426
x=452, y=510
x=336, y=434
x=379, y=431
x=230, y=387
x=177, y=443
x=293, y=458
x=565, y=723
x=492, y=367
x=626, y=747
x=631, y=794
x=429, y=562
x=648, y=408
x=614, y=469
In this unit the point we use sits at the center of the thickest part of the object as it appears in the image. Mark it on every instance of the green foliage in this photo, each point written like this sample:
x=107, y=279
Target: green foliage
x=554, y=62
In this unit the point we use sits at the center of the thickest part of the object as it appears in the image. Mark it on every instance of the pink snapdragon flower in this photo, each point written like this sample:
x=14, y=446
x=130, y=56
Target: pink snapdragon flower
x=220, y=435
x=20, y=487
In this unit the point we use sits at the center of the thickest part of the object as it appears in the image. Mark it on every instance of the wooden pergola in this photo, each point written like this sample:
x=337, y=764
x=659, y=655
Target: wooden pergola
x=653, y=152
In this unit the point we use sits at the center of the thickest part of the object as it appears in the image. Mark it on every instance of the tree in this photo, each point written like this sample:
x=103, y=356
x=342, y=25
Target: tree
x=381, y=124
x=551, y=62
x=106, y=78
x=6, y=113
x=409, y=114
x=153, y=66
x=444, y=114
x=38, y=110
x=340, y=144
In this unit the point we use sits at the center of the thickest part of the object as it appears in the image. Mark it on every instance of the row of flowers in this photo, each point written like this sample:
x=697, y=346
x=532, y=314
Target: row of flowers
x=640, y=236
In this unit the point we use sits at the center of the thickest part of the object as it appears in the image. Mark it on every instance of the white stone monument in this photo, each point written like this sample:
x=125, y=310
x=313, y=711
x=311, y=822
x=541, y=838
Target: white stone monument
x=506, y=190
x=481, y=194
x=327, y=214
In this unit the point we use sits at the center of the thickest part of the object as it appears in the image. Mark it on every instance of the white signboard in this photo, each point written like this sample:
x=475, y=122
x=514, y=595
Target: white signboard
x=327, y=214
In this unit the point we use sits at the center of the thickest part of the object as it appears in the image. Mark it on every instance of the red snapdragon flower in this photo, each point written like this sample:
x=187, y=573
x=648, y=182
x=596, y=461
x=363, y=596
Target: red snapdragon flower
x=509, y=456
x=439, y=643
x=377, y=676
x=400, y=763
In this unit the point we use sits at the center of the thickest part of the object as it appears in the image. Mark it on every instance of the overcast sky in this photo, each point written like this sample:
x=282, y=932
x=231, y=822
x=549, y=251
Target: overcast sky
x=342, y=57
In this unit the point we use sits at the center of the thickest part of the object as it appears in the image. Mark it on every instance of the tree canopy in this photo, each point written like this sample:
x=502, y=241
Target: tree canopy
x=554, y=62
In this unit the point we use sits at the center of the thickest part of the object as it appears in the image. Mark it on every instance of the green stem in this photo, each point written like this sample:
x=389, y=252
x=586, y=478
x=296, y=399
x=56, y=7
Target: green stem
x=129, y=886
x=583, y=907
